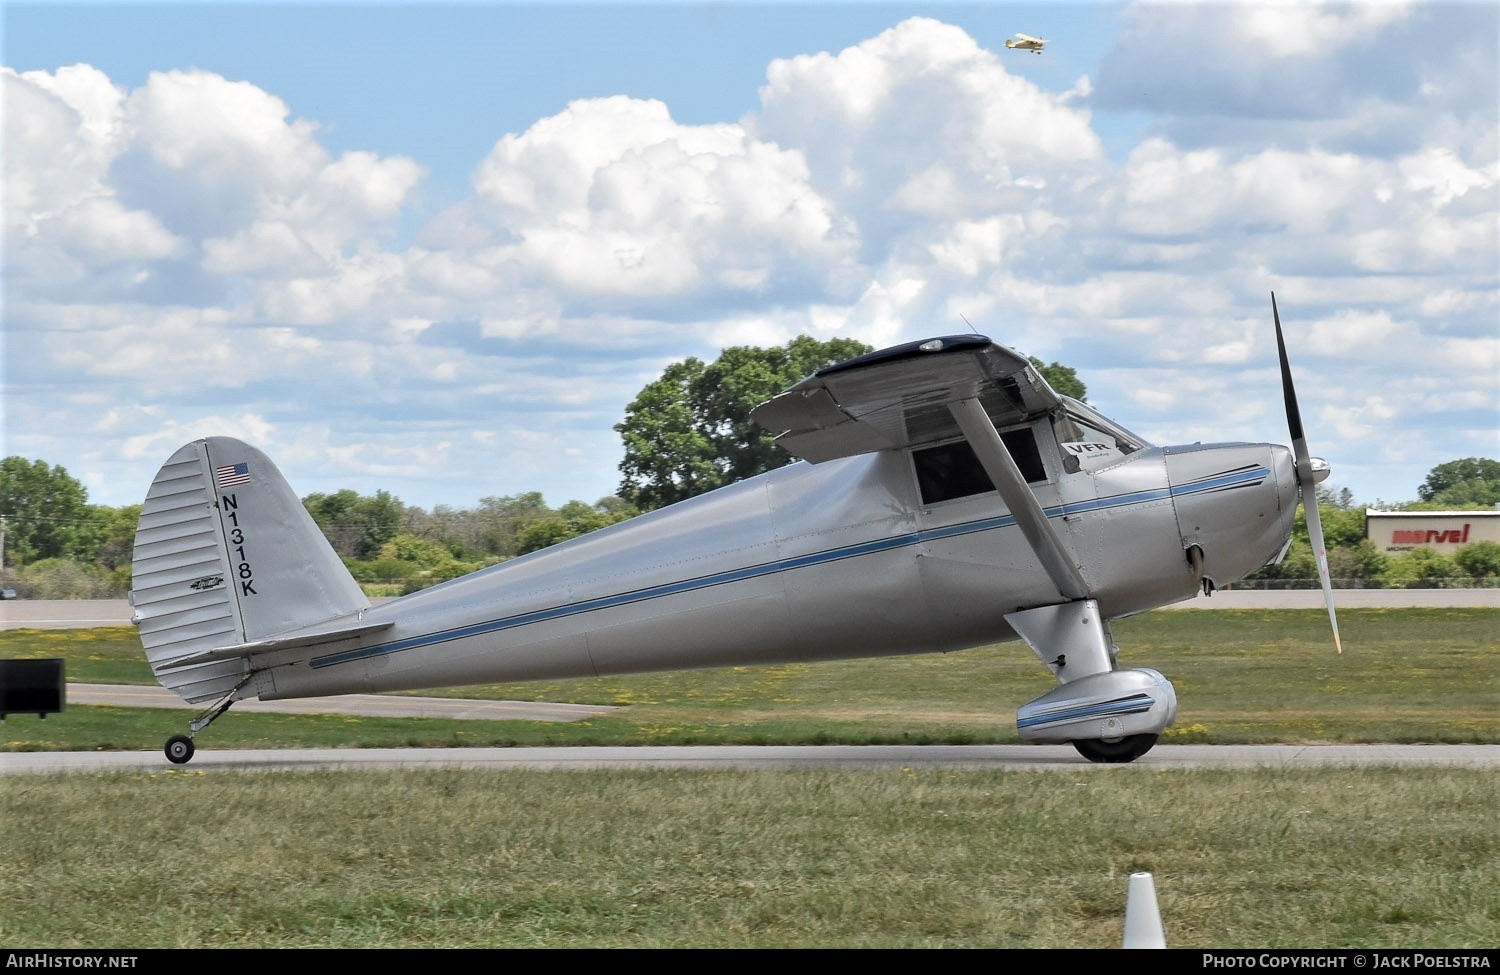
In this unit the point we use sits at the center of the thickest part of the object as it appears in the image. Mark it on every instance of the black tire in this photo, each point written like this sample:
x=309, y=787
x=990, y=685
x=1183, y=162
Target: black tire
x=179, y=749
x=1116, y=752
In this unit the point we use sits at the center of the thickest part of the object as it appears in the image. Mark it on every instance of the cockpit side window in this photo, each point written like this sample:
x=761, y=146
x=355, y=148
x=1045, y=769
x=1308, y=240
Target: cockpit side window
x=952, y=470
x=1088, y=442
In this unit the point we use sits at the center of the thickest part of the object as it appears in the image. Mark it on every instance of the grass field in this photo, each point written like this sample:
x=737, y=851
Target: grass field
x=909, y=858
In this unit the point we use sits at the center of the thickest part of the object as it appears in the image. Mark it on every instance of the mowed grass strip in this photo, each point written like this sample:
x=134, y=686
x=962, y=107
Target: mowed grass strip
x=914, y=858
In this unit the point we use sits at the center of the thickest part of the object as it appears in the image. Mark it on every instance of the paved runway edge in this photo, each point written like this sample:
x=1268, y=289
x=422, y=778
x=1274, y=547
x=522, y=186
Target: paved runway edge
x=1013, y=757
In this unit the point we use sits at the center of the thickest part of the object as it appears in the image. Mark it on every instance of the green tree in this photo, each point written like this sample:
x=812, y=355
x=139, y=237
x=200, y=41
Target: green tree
x=457, y=529
x=423, y=552
x=690, y=431
x=500, y=521
x=1424, y=568
x=573, y=519
x=356, y=526
x=1473, y=482
x=1298, y=569
x=434, y=562
x=1342, y=527
x=383, y=571
x=46, y=513
x=1362, y=561
x=116, y=531
x=1479, y=560
x=1062, y=379
x=54, y=578
x=614, y=504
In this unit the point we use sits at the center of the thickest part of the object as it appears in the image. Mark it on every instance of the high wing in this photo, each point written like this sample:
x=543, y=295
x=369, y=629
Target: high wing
x=1025, y=42
x=900, y=397
x=926, y=393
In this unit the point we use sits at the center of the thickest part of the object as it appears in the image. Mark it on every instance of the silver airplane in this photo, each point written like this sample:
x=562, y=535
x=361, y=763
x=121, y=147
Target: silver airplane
x=946, y=497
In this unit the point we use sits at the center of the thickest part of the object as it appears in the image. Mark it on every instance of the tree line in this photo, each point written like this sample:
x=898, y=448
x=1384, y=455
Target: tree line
x=686, y=433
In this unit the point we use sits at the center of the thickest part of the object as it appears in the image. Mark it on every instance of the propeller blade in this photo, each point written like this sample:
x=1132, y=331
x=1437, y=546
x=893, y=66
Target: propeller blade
x=1307, y=477
x=1315, y=535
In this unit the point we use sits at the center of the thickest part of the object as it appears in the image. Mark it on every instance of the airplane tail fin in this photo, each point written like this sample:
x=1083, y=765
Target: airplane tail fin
x=227, y=556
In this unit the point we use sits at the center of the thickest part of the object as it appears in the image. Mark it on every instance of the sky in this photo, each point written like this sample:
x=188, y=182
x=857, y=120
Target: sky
x=437, y=249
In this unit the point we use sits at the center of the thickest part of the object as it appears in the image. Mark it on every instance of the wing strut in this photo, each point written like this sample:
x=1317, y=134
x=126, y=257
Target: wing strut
x=1006, y=477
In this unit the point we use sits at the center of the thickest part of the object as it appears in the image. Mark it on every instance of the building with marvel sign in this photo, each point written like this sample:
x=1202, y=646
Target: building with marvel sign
x=1445, y=532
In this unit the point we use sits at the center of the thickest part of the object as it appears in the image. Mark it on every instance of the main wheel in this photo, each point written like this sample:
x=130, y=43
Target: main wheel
x=1116, y=752
x=179, y=749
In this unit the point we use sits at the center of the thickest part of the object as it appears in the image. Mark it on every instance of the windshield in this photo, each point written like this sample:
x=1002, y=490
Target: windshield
x=1088, y=440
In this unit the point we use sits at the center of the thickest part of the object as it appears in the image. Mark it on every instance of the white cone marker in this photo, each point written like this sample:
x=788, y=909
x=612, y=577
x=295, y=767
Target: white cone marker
x=1142, y=917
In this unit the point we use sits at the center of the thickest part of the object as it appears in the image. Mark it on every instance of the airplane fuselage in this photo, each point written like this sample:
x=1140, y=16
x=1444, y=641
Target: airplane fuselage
x=813, y=562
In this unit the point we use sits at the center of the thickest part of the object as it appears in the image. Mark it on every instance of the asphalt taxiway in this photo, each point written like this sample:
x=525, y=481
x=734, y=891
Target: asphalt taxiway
x=1015, y=757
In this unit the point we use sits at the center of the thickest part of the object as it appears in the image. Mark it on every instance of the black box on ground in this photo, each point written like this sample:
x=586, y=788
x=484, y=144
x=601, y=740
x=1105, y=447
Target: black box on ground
x=32, y=687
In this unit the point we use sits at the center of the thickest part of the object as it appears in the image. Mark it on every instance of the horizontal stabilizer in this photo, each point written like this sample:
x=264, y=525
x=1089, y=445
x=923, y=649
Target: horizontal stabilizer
x=290, y=642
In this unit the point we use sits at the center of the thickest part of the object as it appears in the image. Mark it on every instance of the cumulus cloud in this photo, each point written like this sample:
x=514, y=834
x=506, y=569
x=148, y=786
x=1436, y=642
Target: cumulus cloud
x=614, y=203
x=208, y=174
x=1373, y=78
x=921, y=124
x=61, y=131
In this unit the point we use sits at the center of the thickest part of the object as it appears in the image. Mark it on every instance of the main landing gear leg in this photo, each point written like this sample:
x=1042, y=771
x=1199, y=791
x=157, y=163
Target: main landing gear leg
x=179, y=748
x=1108, y=715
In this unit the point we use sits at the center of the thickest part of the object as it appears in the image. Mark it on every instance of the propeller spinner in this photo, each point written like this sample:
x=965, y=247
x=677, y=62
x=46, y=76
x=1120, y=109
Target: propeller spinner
x=1310, y=471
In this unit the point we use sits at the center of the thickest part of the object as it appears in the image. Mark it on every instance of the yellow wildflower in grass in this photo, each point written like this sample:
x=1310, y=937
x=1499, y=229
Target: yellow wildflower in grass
x=1192, y=731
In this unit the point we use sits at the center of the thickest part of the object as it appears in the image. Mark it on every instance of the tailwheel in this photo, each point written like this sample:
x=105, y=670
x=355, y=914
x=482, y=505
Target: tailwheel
x=1115, y=752
x=179, y=749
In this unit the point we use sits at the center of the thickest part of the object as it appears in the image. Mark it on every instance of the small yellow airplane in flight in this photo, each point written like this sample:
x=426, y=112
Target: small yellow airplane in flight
x=1025, y=42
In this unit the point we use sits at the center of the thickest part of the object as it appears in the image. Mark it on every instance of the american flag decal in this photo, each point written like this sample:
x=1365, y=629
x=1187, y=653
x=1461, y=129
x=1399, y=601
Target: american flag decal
x=231, y=474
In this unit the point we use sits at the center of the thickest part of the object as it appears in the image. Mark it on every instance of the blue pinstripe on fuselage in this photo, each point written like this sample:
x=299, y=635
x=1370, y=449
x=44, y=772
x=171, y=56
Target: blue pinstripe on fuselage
x=1245, y=477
